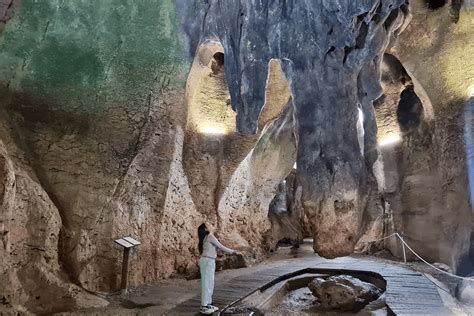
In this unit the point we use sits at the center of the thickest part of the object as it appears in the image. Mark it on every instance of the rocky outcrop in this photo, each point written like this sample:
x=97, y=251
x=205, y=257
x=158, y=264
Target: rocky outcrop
x=427, y=88
x=286, y=214
x=343, y=293
x=30, y=271
x=243, y=209
x=339, y=46
x=100, y=125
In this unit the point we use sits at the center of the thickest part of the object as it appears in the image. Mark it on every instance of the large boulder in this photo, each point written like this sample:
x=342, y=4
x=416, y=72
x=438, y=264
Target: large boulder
x=344, y=293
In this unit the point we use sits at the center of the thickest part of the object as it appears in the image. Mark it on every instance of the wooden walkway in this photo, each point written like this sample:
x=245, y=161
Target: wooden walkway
x=407, y=292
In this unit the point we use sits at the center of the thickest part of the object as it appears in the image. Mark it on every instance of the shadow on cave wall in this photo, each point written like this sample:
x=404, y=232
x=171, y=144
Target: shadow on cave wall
x=29, y=110
x=35, y=124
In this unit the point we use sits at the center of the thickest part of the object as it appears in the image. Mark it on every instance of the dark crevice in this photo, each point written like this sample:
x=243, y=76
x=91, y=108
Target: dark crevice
x=435, y=4
x=217, y=63
x=455, y=10
x=6, y=12
x=376, y=18
x=287, y=8
x=332, y=49
x=361, y=38
x=409, y=110
x=379, y=8
x=405, y=9
x=390, y=19
x=128, y=304
x=241, y=25
x=375, y=14
x=362, y=16
x=347, y=51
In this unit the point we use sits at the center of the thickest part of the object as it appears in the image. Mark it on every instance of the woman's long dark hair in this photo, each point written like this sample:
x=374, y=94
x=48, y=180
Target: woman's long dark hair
x=202, y=233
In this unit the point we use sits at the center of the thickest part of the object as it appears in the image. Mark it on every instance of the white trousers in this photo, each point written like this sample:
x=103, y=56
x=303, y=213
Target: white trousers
x=207, y=266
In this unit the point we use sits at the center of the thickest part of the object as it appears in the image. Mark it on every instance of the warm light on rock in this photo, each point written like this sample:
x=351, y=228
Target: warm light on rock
x=151, y=118
x=216, y=130
x=390, y=139
x=470, y=91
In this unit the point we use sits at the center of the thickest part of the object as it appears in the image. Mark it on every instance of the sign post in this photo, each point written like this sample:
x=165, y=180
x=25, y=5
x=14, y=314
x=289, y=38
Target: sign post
x=127, y=243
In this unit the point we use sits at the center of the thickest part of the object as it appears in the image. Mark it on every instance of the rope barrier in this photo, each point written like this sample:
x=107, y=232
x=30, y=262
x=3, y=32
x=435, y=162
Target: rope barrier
x=380, y=239
x=405, y=244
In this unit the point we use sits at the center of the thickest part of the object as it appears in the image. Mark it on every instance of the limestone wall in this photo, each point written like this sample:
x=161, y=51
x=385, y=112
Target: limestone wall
x=148, y=118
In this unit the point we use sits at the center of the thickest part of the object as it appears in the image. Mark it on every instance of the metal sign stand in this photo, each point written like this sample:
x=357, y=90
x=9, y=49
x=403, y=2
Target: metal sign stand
x=127, y=243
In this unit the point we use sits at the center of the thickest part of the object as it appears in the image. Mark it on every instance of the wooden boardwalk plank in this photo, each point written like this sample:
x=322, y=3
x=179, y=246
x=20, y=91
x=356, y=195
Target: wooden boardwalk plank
x=407, y=293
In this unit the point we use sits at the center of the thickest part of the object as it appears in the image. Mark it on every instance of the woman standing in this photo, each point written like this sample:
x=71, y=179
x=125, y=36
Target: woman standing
x=208, y=246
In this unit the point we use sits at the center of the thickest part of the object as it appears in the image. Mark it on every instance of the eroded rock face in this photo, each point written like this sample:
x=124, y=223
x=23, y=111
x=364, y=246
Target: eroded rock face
x=337, y=44
x=111, y=131
x=286, y=214
x=243, y=209
x=229, y=185
x=426, y=181
x=343, y=293
x=30, y=271
x=94, y=128
x=6, y=11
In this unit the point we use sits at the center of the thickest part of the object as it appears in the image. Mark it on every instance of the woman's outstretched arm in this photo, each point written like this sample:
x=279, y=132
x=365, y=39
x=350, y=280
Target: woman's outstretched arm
x=213, y=240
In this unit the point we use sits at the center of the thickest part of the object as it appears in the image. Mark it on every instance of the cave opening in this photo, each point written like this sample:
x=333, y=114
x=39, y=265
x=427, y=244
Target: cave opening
x=209, y=110
x=435, y=4
x=403, y=105
x=211, y=124
x=217, y=63
x=409, y=110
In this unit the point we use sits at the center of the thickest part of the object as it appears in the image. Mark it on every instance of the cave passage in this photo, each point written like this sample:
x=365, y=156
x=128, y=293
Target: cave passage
x=305, y=135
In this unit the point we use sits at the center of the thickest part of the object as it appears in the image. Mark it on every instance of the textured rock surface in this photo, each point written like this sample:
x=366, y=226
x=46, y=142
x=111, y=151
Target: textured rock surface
x=339, y=49
x=103, y=136
x=96, y=110
x=343, y=293
x=6, y=11
x=289, y=222
x=429, y=191
x=30, y=272
x=229, y=184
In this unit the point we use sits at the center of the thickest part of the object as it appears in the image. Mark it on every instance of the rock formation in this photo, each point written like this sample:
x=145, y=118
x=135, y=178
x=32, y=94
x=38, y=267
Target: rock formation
x=343, y=292
x=147, y=119
x=30, y=228
x=426, y=184
x=335, y=63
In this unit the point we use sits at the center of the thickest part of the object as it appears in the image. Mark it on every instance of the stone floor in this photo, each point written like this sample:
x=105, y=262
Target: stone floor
x=408, y=292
